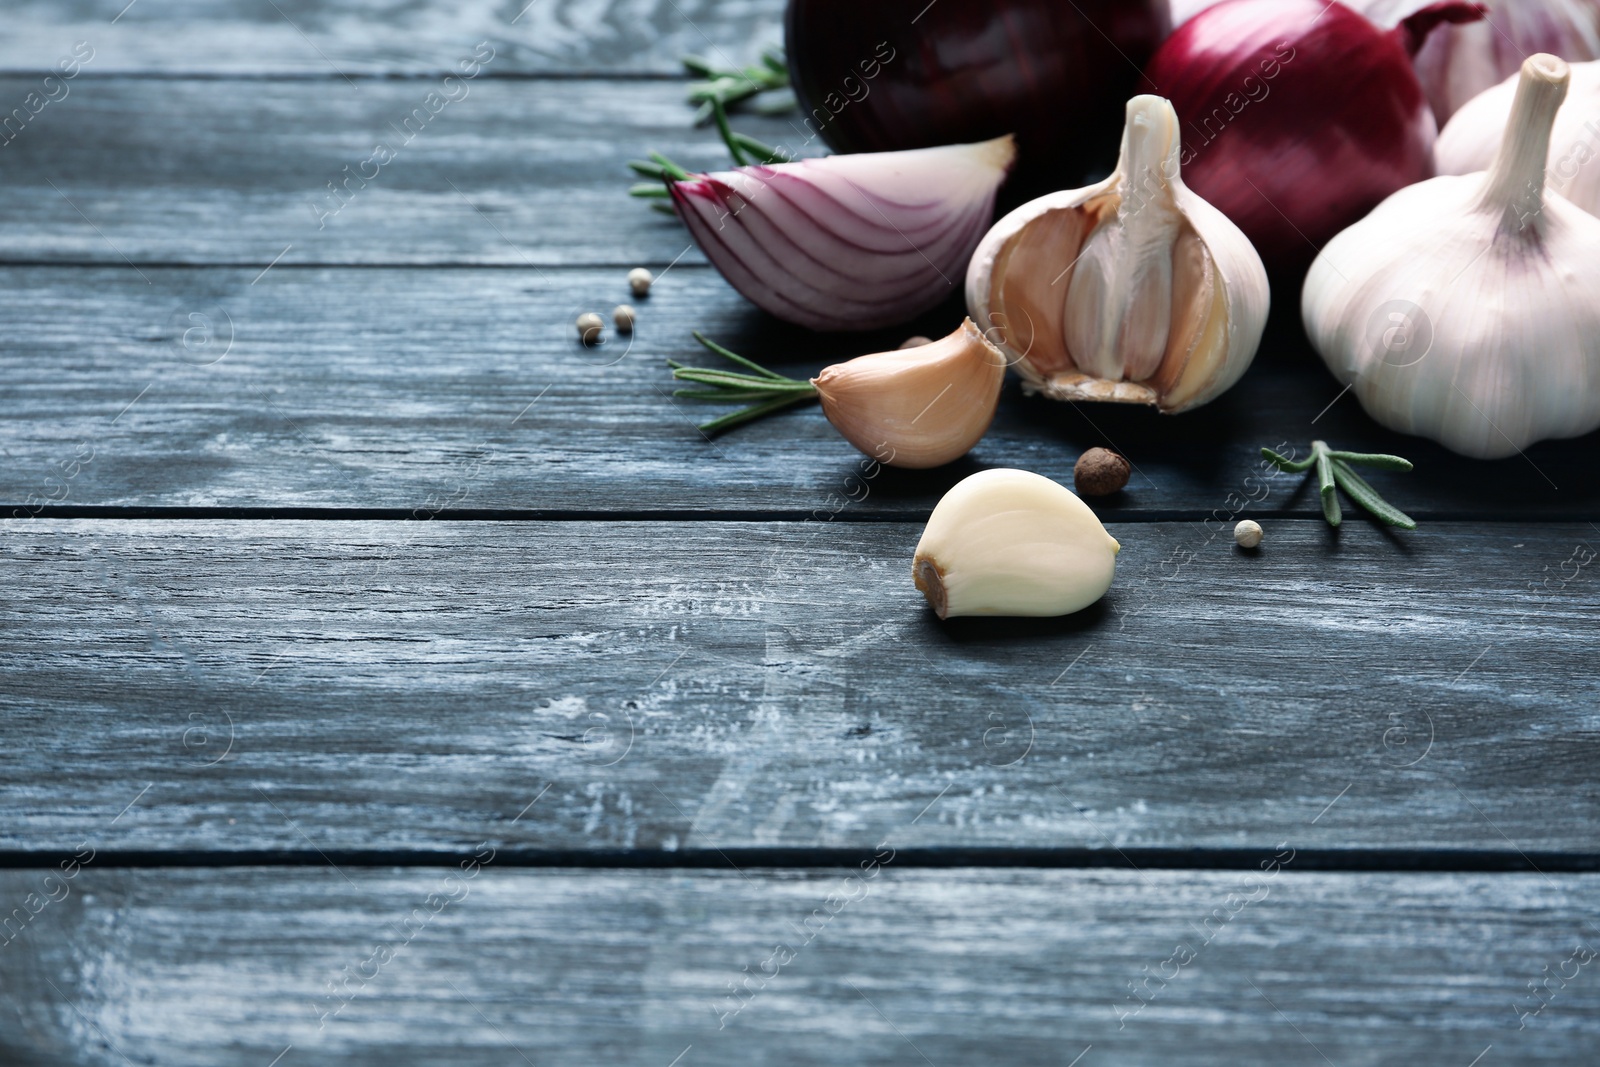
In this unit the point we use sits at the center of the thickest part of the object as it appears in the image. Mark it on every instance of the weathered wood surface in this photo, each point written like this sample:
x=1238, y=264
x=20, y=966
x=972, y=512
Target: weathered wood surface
x=420, y=966
x=664, y=686
x=522, y=173
x=337, y=38
x=376, y=388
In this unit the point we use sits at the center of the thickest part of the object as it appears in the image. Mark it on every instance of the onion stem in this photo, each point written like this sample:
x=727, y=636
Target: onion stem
x=1335, y=470
x=769, y=391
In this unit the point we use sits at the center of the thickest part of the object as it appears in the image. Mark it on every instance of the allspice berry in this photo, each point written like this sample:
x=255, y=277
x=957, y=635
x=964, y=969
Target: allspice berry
x=1100, y=472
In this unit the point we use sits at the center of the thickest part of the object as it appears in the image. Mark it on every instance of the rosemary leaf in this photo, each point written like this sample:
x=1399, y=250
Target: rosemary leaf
x=1358, y=490
x=1326, y=484
x=736, y=358
x=756, y=411
x=1284, y=463
x=1374, y=459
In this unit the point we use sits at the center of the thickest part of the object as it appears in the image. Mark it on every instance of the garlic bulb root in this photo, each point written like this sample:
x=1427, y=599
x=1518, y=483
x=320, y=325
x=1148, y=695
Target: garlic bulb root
x=1493, y=283
x=1010, y=542
x=916, y=407
x=1133, y=290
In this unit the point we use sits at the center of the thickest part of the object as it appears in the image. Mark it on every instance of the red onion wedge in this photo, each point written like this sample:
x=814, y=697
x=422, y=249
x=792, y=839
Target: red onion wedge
x=849, y=242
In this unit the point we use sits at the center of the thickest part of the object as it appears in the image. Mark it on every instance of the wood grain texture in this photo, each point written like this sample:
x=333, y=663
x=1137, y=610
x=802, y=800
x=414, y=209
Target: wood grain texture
x=431, y=684
x=357, y=38
x=513, y=172
x=370, y=388
x=878, y=966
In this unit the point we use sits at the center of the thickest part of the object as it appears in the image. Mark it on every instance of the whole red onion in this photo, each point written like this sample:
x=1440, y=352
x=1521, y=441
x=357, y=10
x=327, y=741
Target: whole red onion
x=888, y=74
x=1299, y=116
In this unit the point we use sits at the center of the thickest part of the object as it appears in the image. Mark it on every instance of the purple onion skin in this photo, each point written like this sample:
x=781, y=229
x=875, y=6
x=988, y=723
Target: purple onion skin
x=1055, y=74
x=1299, y=116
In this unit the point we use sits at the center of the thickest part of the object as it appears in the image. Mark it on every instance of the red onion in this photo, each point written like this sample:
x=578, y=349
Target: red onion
x=1299, y=116
x=1460, y=62
x=851, y=242
x=890, y=74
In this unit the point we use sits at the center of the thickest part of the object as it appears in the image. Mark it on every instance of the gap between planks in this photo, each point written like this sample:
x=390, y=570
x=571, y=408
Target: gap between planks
x=1352, y=860
x=130, y=512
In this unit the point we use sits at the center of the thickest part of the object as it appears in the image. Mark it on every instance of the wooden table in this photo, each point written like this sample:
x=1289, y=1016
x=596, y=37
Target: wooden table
x=388, y=679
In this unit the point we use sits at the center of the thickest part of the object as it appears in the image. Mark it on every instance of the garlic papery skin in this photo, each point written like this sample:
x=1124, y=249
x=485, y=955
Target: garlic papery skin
x=916, y=407
x=1133, y=290
x=850, y=242
x=1458, y=62
x=1010, y=542
x=1472, y=137
x=1467, y=308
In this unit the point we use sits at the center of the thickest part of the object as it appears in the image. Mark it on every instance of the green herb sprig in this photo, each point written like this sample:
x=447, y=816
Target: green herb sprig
x=723, y=88
x=769, y=392
x=1335, y=470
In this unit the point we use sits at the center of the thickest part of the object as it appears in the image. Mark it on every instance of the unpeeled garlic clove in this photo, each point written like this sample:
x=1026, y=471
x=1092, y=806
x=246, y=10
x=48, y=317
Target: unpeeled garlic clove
x=1467, y=308
x=916, y=407
x=1133, y=290
x=1010, y=542
x=1468, y=143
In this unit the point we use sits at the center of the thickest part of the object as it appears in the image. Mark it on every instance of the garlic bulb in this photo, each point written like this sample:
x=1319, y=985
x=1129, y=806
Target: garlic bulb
x=852, y=242
x=1474, y=134
x=916, y=407
x=1467, y=308
x=1458, y=62
x=1133, y=290
x=1010, y=542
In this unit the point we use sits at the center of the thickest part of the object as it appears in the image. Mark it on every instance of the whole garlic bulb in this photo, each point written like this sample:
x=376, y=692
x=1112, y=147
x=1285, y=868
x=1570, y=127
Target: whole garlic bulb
x=1132, y=290
x=1472, y=137
x=1457, y=63
x=1010, y=542
x=916, y=407
x=1467, y=308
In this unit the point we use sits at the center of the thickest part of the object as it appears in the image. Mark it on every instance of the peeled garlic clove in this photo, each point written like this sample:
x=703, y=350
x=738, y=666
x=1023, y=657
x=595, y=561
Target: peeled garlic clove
x=916, y=407
x=1010, y=542
x=1472, y=137
x=851, y=242
x=1133, y=290
x=1467, y=308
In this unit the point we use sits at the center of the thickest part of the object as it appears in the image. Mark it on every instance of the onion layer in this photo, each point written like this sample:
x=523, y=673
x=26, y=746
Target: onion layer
x=1299, y=116
x=853, y=242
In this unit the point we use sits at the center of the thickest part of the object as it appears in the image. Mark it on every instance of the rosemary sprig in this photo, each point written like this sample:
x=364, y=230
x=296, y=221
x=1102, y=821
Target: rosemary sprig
x=725, y=88
x=1336, y=470
x=720, y=90
x=769, y=392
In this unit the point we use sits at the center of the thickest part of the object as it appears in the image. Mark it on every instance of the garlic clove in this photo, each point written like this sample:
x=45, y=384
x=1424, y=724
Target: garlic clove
x=1467, y=308
x=1133, y=290
x=916, y=407
x=1010, y=542
x=849, y=242
x=1468, y=143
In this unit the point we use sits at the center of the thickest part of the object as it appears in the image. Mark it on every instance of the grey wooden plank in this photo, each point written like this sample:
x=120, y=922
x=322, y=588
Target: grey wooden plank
x=513, y=172
x=662, y=686
x=377, y=388
x=883, y=965
x=347, y=37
